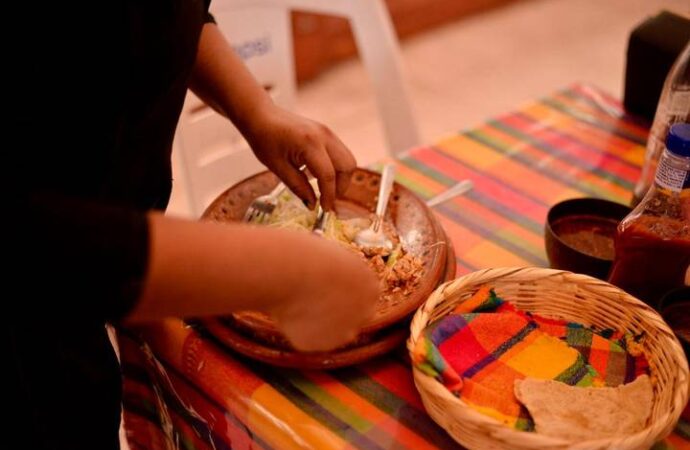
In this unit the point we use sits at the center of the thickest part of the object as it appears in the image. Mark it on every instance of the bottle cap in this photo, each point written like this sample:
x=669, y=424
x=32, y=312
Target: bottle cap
x=678, y=139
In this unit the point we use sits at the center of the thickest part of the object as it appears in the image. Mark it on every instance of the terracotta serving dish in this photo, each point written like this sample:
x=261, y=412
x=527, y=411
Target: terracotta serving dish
x=382, y=342
x=275, y=350
x=415, y=223
x=412, y=218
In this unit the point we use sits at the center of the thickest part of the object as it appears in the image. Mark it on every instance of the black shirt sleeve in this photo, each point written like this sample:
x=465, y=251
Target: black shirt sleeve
x=209, y=16
x=76, y=258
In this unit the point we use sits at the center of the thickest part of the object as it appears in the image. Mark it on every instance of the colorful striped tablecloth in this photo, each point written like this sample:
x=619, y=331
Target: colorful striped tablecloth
x=184, y=391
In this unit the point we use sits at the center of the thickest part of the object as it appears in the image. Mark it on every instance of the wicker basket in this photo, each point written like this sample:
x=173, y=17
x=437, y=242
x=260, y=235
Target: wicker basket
x=578, y=298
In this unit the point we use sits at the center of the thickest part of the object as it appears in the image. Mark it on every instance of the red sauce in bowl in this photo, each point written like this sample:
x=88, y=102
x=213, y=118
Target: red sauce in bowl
x=589, y=234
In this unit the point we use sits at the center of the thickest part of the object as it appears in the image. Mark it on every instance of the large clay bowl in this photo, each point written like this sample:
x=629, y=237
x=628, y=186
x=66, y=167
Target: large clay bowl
x=274, y=349
x=414, y=221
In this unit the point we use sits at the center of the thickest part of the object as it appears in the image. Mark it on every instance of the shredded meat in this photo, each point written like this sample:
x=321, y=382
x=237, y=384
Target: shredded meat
x=399, y=278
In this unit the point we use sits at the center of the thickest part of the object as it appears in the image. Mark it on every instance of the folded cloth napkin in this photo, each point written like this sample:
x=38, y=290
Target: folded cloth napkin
x=486, y=344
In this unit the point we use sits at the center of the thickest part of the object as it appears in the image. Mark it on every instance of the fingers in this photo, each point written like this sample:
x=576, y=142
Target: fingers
x=343, y=163
x=319, y=164
x=297, y=181
x=340, y=322
x=310, y=338
x=318, y=332
x=335, y=296
x=330, y=161
x=298, y=141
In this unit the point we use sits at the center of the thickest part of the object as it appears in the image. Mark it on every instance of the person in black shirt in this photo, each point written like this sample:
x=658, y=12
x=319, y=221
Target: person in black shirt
x=93, y=95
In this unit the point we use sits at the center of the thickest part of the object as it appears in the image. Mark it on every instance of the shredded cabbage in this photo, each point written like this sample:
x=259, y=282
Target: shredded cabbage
x=399, y=271
x=290, y=213
x=333, y=229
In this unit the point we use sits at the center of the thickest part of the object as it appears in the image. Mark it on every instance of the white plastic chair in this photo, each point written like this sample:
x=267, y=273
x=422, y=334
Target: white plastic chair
x=213, y=155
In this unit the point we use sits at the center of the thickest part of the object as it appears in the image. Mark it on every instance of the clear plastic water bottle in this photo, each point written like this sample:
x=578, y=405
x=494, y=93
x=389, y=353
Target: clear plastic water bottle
x=673, y=107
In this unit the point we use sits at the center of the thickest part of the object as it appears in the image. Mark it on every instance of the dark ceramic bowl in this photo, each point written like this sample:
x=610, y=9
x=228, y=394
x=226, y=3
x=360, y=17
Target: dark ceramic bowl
x=579, y=235
x=674, y=307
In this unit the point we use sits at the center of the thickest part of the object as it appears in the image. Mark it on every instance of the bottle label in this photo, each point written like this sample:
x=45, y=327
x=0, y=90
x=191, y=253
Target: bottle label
x=672, y=178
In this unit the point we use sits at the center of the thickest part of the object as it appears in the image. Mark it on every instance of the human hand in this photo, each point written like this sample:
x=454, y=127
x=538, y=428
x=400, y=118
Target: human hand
x=331, y=302
x=284, y=141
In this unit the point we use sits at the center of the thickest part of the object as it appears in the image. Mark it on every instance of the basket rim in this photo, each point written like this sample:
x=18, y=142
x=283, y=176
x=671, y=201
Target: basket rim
x=656, y=428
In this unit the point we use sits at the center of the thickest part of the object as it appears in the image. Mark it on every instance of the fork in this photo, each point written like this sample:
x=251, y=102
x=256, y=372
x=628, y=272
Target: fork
x=374, y=237
x=263, y=205
x=322, y=218
x=458, y=189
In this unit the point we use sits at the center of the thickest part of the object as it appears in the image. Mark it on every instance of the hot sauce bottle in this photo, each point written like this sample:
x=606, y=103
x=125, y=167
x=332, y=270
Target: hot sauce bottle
x=652, y=244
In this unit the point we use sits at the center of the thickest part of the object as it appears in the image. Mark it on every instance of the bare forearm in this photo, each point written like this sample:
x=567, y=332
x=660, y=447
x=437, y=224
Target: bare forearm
x=318, y=292
x=199, y=269
x=221, y=79
x=280, y=140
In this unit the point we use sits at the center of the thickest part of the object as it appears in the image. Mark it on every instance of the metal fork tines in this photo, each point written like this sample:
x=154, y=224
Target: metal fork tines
x=262, y=206
x=322, y=218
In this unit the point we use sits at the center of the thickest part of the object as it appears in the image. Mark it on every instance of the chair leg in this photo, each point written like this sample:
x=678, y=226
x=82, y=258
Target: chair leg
x=380, y=52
